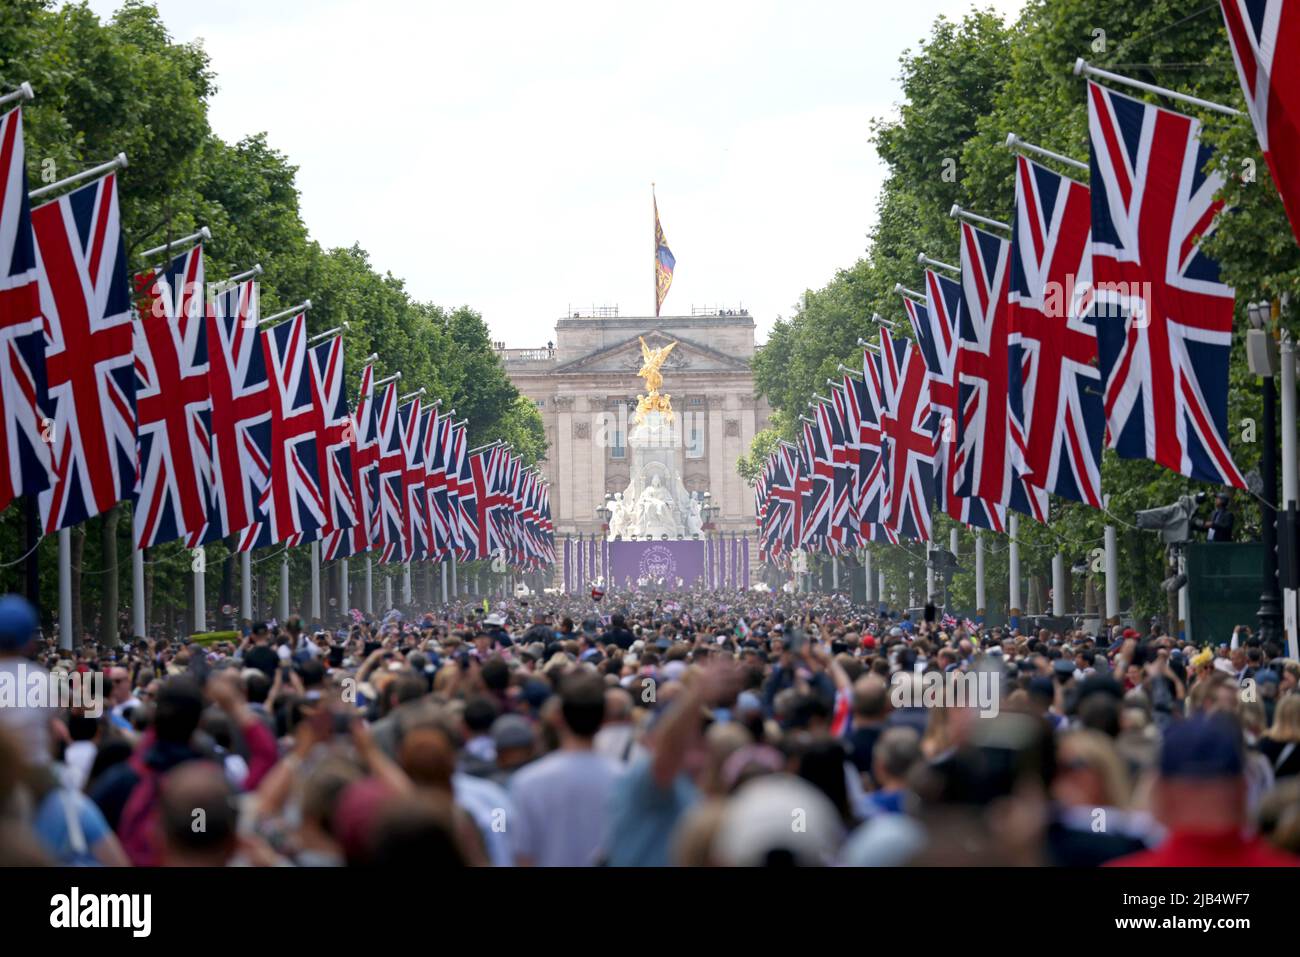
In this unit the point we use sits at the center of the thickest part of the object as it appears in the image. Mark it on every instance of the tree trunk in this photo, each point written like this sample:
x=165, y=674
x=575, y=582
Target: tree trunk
x=108, y=629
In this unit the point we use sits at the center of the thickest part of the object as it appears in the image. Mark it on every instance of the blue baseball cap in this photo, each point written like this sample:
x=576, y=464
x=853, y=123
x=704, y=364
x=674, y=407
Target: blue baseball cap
x=18, y=622
x=1202, y=747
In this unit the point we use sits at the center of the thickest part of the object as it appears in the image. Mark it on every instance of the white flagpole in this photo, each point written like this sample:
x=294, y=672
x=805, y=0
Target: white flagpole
x=1112, y=576
x=1013, y=562
x=315, y=581
x=1058, y=585
x=444, y=582
x=344, y=604
x=246, y=585
x=138, y=625
x=1290, y=479
x=980, y=591
x=201, y=593
x=284, y=587
x=406, y=583
x=1083, y=68
x=65, y=589
x=388, y=593
x=370, y=587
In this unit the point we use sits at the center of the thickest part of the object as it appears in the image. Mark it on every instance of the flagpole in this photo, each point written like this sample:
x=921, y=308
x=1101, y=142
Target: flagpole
x=23, y=93
x=980, y=591
x=343, y=587
x=284, y=586
x=137, y=592
x=1058, y=585
x=246, y=586
x=204, y=234
x=370, y=588
x=200, y=592
x=315, y=582
x=1083, y=68
x=65, y=589
x=654, y=234
x=1013, y=569
x=116, y=163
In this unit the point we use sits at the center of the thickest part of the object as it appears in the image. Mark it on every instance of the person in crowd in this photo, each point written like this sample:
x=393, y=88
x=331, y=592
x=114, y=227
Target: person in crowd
x=668, y=732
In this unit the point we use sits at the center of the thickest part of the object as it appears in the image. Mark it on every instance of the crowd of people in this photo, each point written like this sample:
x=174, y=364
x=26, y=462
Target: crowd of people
x=690, y=728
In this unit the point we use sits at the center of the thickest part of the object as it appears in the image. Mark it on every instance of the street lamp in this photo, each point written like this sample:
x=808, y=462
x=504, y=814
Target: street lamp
x=604, y=511
x=1261, y=354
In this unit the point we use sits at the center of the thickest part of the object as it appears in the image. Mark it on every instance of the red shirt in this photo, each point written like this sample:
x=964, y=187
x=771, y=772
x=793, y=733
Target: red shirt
x=1209, y=849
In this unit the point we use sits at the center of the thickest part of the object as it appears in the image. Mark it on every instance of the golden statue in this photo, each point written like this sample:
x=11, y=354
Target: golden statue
x=652, y=361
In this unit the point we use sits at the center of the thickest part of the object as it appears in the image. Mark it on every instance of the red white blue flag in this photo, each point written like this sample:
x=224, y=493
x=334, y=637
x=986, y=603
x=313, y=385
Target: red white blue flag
x=89, y=363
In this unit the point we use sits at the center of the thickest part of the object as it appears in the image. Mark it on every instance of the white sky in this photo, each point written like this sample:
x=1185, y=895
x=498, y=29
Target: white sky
x=500, y=154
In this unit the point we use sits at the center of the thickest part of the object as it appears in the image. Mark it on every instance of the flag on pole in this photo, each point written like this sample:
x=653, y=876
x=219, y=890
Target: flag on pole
x=362, y=536
x=89, y=361
x=1265, y=37
x=911, y=441
x=291, y=507
x=1164, y=318
x=1056, y=400
x=173, y=403
x=241, y=412
x=392, y=497
x=664, y=262
x=28, y=464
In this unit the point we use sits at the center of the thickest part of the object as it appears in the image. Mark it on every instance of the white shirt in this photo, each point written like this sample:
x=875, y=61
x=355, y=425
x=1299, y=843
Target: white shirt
x=561, y=808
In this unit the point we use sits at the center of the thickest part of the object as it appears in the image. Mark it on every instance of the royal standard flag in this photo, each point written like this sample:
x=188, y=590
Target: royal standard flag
x=664, y=263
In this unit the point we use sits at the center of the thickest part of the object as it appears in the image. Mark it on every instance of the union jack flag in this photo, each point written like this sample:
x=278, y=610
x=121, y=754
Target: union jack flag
x=392, y=538
x=485, y=467
x=869, y=405
x=335, y=435
x=820, y=470
x=412, y=420
x=437, y=456
x=241, y=412
x=908, y=432
x=989, y=461
x=1164, y=326
x=782, y=537
x=1265, y=35
x=472, y=546
x=362, y=536
x=460, y=482
x=90, y=373
x=173, y=404
x=546, y=525
x=292, y=506
x=1056, y=400
x=935, y=323
x=29, y=465
x=834, y=417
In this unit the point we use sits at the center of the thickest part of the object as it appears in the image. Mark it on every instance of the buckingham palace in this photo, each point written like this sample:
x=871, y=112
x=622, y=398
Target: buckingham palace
x=584, y=382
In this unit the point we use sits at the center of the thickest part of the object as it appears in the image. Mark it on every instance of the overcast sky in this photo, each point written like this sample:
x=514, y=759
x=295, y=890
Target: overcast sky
x=500, y=154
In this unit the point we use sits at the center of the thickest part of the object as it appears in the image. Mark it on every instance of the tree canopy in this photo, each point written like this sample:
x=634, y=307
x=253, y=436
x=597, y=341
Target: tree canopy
x=125, y=85
x=964, y=87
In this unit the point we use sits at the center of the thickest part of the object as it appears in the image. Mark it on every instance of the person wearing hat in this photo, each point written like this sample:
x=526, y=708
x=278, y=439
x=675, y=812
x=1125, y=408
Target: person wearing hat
x=1200, y=798
x=30, y=726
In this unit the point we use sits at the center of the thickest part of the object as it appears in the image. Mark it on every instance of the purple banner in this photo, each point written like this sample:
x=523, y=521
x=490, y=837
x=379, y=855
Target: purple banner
x=631, y=562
